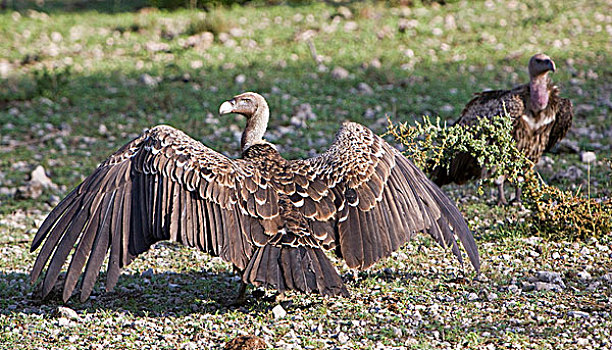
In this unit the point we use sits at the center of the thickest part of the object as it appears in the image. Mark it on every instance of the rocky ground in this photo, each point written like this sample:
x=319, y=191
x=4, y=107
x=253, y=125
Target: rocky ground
x=77, y=83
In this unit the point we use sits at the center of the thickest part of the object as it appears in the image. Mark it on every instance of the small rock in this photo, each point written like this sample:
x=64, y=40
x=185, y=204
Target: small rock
x=102, y=129
x=578, y=314
x=148, y=80
x=240, y=79
x=34, y=188
x=482, y=278
x=63, y=322
x=350, y=26
x=588, y=157
x=584, y=276
x=447, y=108
x=568, y=146
x=556, y=255
x=279, y=312
x=365, y=89
x=492, y=296
x=68, y=313
x=339, y=73
x=472, y=296
x=527, y=287
x=593, y=286
x=343, y=338
x=156, y=47
x=7, y=191
x=549, y=277
x=544, y=286
x=345, y=12
x=38, y=175
x=514, y=289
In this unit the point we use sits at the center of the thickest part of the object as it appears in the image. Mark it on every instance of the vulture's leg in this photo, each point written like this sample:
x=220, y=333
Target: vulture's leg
x=517, y=200
x=517, y=196
x=501, y=196
x=241, y=298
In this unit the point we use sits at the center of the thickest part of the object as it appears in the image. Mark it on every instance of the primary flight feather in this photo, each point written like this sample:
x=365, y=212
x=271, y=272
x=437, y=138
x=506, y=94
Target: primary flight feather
x=272, y=218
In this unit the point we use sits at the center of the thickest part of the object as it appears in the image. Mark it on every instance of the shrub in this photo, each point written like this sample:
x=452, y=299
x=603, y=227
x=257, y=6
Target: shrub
x=431, y=144
x=51, y=83
x=554, y=213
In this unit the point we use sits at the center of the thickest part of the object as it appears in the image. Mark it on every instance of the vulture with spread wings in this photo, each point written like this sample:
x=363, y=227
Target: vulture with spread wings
x=272, y=218
x=541, y=119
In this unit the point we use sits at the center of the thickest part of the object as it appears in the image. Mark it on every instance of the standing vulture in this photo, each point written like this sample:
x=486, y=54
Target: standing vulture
x=272, y=218
x=541, y=118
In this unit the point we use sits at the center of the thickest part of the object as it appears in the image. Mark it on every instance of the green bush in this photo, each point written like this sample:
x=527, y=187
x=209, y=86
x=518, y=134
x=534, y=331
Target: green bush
x=554, y=214
x=432, y=144
x=51, y=83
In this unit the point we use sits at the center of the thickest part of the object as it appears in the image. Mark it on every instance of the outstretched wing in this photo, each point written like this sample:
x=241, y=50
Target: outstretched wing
x=563, y=121
x=161, y=186
x=366, y=199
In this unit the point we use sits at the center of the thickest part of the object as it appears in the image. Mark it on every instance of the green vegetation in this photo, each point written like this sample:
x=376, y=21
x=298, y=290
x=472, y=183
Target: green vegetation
x=78, y=79
x=553, y=213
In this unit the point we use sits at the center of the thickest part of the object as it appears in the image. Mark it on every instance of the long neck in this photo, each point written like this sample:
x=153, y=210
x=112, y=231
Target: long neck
x=255, y=128
x=538, y=92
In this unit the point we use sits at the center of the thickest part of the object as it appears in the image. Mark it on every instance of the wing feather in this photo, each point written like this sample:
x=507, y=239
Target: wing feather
x=563, y=122
x=386, y=199
x=163, y=185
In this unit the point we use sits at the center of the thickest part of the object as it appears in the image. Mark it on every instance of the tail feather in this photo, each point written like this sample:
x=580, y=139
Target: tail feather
x=294, y=268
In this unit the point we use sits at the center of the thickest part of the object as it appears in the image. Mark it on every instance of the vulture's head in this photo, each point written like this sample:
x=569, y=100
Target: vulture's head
x=540, y=64
x=248, y=104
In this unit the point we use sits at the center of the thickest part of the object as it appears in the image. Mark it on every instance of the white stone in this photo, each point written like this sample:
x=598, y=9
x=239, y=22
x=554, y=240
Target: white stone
x=39, y=176
x=279, y=312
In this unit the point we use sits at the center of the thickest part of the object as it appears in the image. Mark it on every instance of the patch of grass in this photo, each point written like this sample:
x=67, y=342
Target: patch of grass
x=445, y=54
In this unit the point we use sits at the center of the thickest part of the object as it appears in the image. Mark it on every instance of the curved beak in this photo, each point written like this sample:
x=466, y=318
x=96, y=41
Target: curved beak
x=226, y=107
x=551, y=65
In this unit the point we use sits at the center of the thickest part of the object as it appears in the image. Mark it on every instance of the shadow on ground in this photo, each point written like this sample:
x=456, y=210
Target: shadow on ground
x=157, y=295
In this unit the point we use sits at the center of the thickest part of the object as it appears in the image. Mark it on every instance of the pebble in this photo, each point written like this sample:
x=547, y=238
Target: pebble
x=63, y=322
x=68, y=313
x=34, y=188
x=578, y=314
x=38, y=175
x=365, y=89
x=544, y=286
x=549, y=276
x=102, y=129
x=472, y=296
x=492, y=296
x=279, y=312
x=584, y=275
x=148, y=80
x=339, y=73
x=240, y=79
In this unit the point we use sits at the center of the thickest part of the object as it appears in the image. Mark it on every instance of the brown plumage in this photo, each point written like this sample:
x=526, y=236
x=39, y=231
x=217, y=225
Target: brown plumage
x=271, y=218
x=541, y=119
